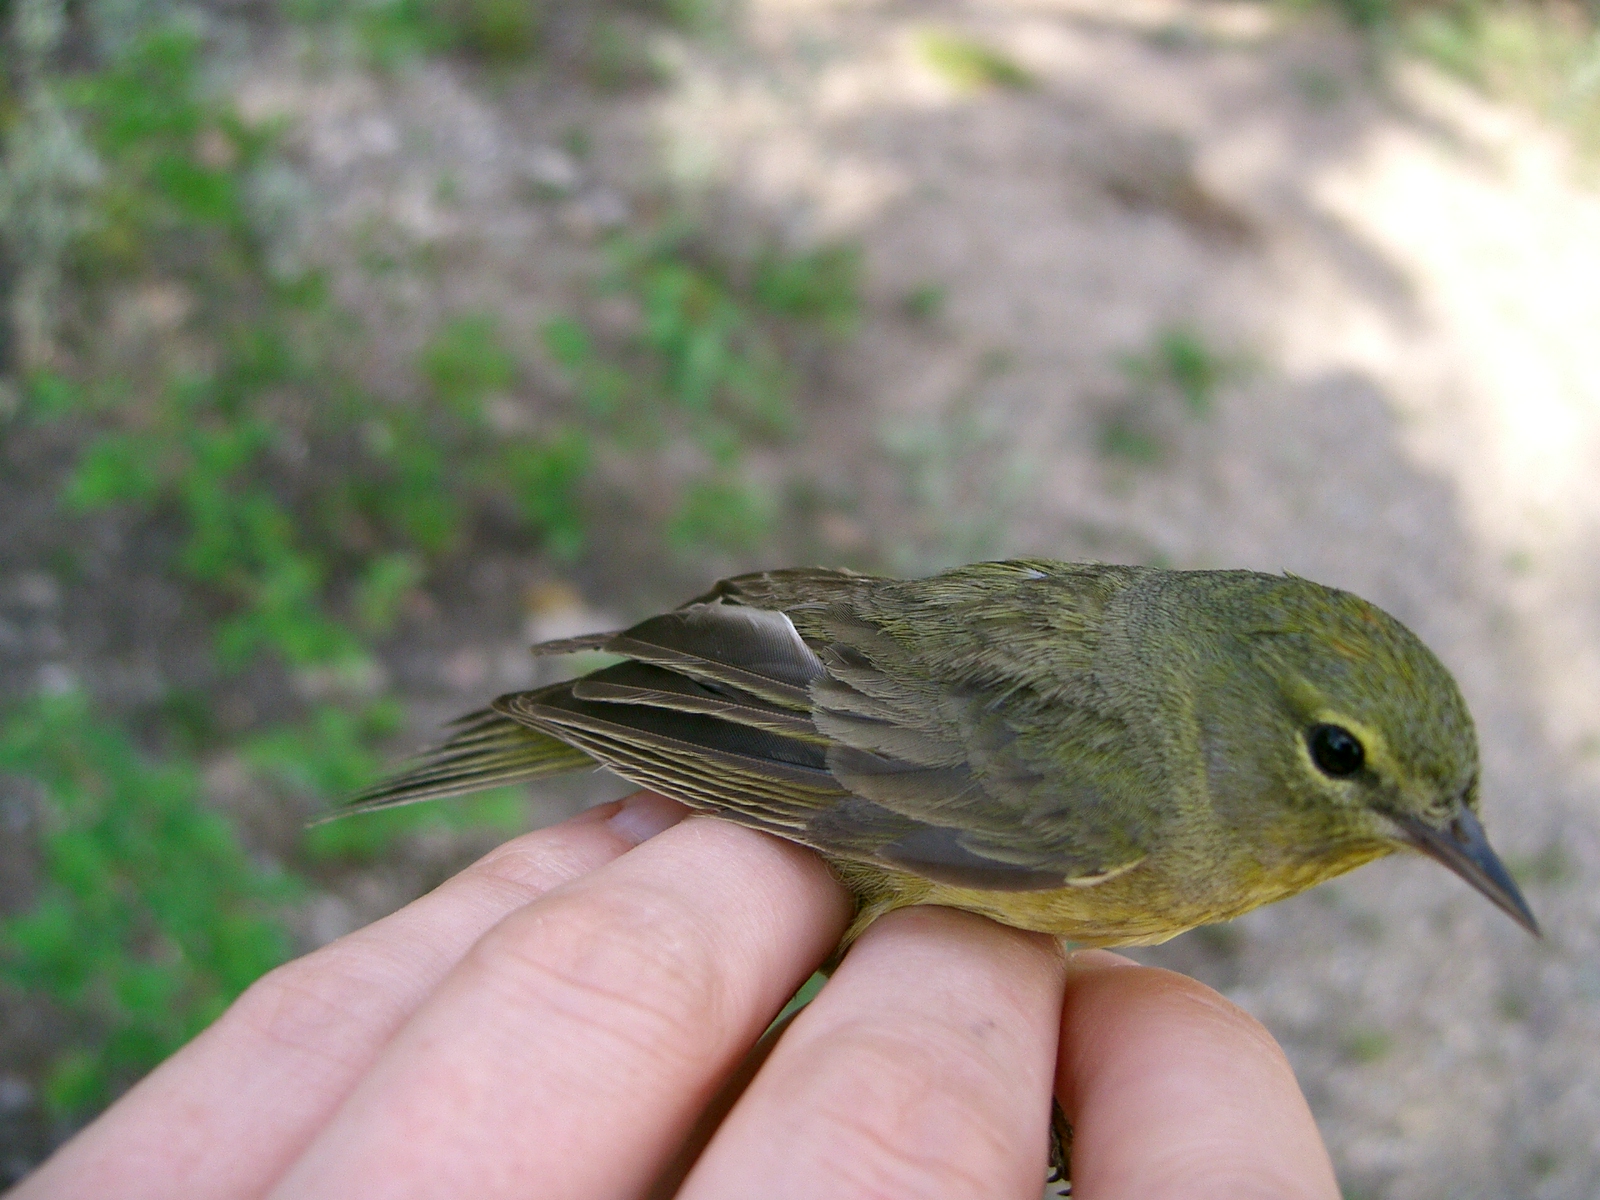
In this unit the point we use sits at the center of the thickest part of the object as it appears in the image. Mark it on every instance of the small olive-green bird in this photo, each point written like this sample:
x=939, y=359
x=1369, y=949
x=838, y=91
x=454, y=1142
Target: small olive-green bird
x=1110, y=754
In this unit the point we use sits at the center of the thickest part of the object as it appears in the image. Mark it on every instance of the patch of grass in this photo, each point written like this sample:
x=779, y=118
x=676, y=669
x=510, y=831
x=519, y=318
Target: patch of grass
x=1121, y=436
x=304, y=512
x=730, y=515
x=620, y=57
x=1180, y=361
x=312, y=549
x=1367, y=14
x=1545, y=56
x=821, y=286
x=706, y=364
x=499, y=32
x=1363, y=1046
x=150, y=917
x=925, y=302
x=969, y=65
x=1179, y=366
x=503, y=31
x=694, y=16
x=330, y=754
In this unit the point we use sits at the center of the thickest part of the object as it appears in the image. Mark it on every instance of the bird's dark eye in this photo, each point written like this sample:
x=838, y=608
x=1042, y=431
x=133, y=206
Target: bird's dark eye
x=1336, y=750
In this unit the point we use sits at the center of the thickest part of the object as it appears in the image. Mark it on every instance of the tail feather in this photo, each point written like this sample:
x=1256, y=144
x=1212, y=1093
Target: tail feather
x=489, y=750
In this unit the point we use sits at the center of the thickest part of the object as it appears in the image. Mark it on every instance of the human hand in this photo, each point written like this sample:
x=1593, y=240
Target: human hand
x=552, y=1021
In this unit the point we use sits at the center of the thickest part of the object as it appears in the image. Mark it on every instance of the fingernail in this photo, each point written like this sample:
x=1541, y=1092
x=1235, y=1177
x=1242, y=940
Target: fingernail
x=645, y=814
x=1096, y=960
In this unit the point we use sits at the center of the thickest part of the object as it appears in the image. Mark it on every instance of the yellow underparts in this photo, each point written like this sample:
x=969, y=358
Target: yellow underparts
x=1139, y=907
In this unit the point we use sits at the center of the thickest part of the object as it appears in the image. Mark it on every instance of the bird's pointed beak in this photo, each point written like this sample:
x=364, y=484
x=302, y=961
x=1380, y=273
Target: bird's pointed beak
x=1463, y=847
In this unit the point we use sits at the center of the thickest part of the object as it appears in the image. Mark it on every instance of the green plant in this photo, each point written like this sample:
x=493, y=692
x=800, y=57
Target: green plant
x=1366, y=1045
x=694, y=16
x=969, y=65
x=501, y=32
x=1367, y=14
x=1179, y=360
x=497, y=30
x=1177, y=365
x=727, y=514
x=308, y=558
x=923, y=302
x=302, y=514
x=705, y=363
x=820, y=286
x=150, y=917
x=1122, y=437
x=1545, y=56
x=302, y=511
x=620, y=56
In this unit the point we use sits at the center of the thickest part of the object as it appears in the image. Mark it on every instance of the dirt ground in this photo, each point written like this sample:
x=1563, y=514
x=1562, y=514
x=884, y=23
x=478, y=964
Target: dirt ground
x=1398, y=279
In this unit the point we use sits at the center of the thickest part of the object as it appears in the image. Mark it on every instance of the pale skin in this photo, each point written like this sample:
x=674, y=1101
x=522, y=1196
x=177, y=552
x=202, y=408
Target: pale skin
x=550, y=1023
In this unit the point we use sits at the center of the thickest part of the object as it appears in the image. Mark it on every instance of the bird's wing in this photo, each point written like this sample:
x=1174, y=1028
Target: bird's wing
x=712, y=707
x=850, y=739
x=716, y=674
x=1008, y=788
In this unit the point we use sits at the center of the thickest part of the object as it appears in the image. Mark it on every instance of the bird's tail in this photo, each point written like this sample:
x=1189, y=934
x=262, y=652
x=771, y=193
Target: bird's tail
x=488, y=750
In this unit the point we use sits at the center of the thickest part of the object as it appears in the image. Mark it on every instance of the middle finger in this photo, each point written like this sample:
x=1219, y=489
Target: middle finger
x=924, y=1068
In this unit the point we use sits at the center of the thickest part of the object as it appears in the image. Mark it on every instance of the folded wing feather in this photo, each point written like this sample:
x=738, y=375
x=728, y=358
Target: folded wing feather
x=726, y=707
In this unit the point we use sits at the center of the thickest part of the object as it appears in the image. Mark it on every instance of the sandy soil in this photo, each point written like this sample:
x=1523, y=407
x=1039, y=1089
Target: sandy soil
x=1398, y=277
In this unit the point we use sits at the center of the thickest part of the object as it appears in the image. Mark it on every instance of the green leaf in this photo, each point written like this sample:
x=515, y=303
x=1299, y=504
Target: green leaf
x=722, y=513
x=970, y=65
x=822, y=286
x=383, y=587
x=149, y=916
x=116, y=468
x=466, y=362
x=546, y=477
x=568, y=343
x=50, y=395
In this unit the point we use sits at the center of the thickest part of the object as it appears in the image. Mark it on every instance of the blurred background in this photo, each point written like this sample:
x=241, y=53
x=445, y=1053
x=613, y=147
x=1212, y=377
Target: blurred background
x=350, y=345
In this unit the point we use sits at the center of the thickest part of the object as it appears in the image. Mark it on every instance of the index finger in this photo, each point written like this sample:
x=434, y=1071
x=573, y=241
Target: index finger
x=228, y=1113
x=570, y=1051
x=1174, y=1092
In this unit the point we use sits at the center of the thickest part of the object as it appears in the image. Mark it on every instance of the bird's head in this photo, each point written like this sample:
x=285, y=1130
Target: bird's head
x=1373, y=747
